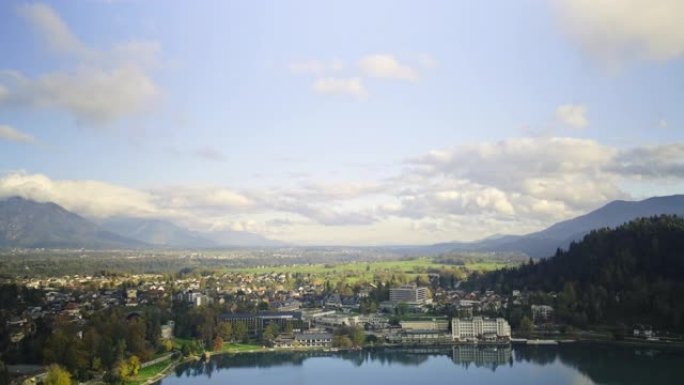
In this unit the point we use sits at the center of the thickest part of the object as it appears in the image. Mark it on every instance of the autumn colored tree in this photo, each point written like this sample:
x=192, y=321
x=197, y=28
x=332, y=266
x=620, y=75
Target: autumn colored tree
x=133, y=365
x=217, y=344
x=167, y=345
x=57, y=375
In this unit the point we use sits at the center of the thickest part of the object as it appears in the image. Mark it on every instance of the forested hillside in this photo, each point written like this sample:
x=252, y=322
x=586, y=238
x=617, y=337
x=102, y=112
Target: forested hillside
x=633, y=273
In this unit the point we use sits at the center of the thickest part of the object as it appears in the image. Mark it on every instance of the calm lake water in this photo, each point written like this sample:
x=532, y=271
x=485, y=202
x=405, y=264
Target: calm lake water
x=573, y=364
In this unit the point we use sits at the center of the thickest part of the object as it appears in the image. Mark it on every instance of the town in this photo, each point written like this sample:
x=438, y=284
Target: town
x=160, y=314
x=109, y=327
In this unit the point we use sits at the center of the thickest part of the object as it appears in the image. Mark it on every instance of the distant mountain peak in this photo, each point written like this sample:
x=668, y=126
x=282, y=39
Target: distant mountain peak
x=545, y=242
x=31, y=224
x=154, y=231
x=161, y=232
x=27, y=223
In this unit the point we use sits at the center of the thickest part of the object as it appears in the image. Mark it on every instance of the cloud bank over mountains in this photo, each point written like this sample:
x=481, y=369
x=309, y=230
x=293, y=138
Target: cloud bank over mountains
x=529, y=181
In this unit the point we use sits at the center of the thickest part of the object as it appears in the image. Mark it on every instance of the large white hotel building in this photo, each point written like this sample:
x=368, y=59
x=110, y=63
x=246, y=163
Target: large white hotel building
x=480, y=328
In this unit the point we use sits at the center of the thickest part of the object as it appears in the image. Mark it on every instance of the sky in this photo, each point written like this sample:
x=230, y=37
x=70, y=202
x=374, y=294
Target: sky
x=342, y=122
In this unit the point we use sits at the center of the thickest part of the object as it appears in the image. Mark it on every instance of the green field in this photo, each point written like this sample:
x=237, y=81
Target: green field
x=352, y=272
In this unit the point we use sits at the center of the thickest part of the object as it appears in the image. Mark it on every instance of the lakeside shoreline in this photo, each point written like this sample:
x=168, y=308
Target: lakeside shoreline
x=586, y=341
x=208, y=355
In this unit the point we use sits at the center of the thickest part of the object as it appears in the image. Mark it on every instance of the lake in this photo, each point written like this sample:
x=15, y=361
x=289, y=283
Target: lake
x=574, y=364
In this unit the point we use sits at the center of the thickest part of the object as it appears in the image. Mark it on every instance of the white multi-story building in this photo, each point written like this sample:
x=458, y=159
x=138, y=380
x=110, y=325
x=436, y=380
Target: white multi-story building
x=480, y=328
x=409, y=294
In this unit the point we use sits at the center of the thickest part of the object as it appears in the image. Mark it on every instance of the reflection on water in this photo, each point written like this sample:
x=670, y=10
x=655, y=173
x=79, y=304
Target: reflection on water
x=612, y=365
x=482, y=356
x=600, y=364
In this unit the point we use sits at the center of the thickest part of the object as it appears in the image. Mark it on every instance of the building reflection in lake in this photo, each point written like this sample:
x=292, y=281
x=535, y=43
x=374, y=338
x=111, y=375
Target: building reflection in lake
x=482, y=356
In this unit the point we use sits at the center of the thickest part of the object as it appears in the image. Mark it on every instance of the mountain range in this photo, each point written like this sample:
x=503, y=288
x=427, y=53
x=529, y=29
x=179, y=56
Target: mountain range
x=544, y=243
x=30, y=224
x=26, y=223
x=155, y=232
x=158, y=232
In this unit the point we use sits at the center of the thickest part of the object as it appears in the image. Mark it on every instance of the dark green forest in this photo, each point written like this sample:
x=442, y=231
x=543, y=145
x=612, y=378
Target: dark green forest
x=631, y=274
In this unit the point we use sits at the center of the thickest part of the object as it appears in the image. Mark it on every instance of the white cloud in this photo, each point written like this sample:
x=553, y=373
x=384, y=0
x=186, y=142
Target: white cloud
x=222, y=224
x=664, y=161
x=208, y=207
x=507, y=160
x=204, y=199
x=195, y=206
x=615, y=31
x=663, y=123
x=319, y=191
x=11, y=134
x=91, y=94
x=572, y=115
x=327, y=216
x=441, y=198
x=516, y=174
x=465, y=192
x=382, y=66
x=279, y=222
x=86, y=197
x=387, y=67
x=102, y=86
x=50, y=27
x=341, y=86
x=426, y=226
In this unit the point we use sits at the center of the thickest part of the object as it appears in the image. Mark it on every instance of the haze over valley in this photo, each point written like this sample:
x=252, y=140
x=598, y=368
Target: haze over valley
x=30, y=224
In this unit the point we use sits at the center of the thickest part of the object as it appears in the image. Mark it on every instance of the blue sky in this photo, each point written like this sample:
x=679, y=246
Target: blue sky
x=342, y=122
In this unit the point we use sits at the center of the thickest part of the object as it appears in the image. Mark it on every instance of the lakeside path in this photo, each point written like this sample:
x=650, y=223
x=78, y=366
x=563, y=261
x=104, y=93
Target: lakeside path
x=230, y=350
x=163, y=373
